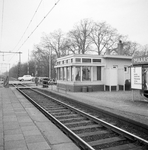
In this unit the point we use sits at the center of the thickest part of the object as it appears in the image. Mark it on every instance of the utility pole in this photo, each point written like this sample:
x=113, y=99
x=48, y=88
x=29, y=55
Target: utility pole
x=36, y=70
x=19, y=63
x=51, y=64
x=28, y=64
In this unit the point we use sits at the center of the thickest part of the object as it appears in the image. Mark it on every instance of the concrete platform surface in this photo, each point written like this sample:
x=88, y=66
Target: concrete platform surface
x=23, y=127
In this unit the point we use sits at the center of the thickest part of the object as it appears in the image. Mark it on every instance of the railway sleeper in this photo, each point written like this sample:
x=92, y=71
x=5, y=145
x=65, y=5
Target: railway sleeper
x=85, y=127
x=106, y=141
x=71, y=120
x=56, y=111
x=56, y=108
x=92, y=133
x=73, y=123
x=128, y=146
x=67, y=116
x=120, y=145
x=61, y=114
x=99, y=136
x=80, y=124
x=80, y=131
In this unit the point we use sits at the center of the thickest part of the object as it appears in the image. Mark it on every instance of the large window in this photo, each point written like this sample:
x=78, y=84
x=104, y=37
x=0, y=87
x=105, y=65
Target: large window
x=78, y=74
x=78, y=60
x=58, y=73
x=61, y=73
x=72, y=73
x=96, y=73
x=64, y=73
x=86, y=60
x=86, y=73
x=96, y=60
x=68, y=73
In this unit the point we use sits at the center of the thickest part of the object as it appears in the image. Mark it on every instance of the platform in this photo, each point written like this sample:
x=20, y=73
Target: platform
x=24, y=127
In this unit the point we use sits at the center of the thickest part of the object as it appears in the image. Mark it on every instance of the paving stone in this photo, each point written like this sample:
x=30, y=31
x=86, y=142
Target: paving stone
x=31, y=132
x=65, y=146
x=29, y=128
x=11, y=126
x=13, y=132
x=22, y=124
x=21, y=148
x=9, y=145
x=36, y=115
x=39, y=146
x=24, y=119
x=34, y=139
x=10, y=118
x=1, y=129
x=14, y=137
x=1, y=139
x=51, y=135
x=1, y=148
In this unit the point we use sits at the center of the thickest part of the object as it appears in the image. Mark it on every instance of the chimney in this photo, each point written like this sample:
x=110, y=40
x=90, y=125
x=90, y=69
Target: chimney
x=120, y=48
x=107, y=51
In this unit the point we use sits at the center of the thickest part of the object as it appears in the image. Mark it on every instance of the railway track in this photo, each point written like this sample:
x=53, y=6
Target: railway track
x=87, y=131
x=17, y=85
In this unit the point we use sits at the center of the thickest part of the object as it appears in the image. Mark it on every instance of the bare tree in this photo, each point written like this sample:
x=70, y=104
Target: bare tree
x=56, y=43
x=104, y=37
x=41, y=58
x=130, y=48
x=142, y=50
x=145, y=49
x=79, y=37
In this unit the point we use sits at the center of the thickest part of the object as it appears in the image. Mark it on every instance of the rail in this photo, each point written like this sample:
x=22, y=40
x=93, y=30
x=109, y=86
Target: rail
x=59, y=111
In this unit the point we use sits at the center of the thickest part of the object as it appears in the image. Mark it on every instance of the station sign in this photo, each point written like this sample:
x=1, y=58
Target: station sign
x=137, y=60
x=136, y=78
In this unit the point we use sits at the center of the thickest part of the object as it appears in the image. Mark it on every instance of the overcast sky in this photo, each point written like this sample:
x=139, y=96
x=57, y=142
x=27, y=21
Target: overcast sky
x=129, y=17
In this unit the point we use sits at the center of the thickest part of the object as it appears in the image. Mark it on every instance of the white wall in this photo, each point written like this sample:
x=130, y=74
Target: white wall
x=111, y=76
x=122, y=76
x=120, y=62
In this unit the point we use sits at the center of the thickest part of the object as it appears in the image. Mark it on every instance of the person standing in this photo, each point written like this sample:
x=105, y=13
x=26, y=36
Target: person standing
x=36, y=80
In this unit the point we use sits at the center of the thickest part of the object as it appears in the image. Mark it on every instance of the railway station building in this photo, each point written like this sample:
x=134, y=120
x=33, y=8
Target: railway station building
x=86, y=73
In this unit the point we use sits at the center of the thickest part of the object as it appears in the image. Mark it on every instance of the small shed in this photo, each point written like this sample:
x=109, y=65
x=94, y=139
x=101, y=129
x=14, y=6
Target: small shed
x=86, y=73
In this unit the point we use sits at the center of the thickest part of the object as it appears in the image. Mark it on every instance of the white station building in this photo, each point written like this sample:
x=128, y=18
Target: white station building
x=82, y=73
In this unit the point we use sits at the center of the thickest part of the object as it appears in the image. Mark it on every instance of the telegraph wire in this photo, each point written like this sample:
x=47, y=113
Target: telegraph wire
x=2, y=22
x=37, y=25
x=28, y=24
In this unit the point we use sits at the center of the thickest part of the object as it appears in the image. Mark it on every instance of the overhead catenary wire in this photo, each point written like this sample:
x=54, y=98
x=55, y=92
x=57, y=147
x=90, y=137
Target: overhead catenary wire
x=27, y=27
x=28, y=24
x=37, y=25
x=2, y=20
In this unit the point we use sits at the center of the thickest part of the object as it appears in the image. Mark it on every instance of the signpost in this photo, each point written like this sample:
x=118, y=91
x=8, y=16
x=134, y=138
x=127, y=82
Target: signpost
x=140, y=60
x=136, y=77
x=139, y=74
